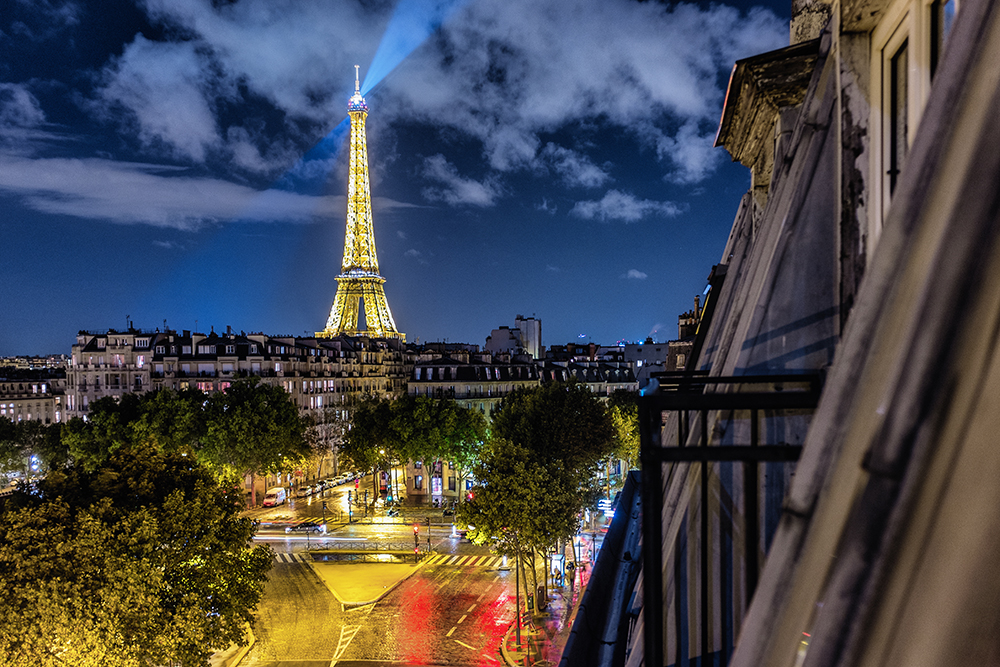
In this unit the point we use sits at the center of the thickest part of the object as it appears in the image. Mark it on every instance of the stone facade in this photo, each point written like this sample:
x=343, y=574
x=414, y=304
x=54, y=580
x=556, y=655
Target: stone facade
x=40, y=399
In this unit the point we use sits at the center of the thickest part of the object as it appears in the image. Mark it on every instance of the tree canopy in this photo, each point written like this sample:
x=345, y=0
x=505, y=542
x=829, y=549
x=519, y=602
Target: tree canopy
x=557, y=421
x=413, y=428
x=253, y=428
x=536, y=476
x=250, y=428
x=141, y=559
x=623, y=409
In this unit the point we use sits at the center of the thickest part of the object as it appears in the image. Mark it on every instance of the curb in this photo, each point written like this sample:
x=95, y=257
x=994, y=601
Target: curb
x=354, y=605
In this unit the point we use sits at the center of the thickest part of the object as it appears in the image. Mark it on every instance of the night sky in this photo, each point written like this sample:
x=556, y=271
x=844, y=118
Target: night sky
x=179, y=162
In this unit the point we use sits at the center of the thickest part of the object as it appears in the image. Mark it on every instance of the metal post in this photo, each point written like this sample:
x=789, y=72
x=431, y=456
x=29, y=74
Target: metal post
x=652, y=499
x=750, y=484
x=517, y=588
x=706, y=574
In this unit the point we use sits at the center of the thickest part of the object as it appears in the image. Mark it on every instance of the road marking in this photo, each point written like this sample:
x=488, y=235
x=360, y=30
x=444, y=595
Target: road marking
x=451, y=631
x=471, y=608
x=464, y=616
x=465, y=645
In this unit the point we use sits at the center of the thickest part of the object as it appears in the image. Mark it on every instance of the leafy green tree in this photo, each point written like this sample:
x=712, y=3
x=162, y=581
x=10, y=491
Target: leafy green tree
x=253, y=428
x=427, y=429
x=371, y=443
x=536, y=475
x=106, y=430
x=371, y=434
x=558, y=421
x=21, y=441
x=143, y=560
x=11, y=452
x=170, y=421
x=623, y=409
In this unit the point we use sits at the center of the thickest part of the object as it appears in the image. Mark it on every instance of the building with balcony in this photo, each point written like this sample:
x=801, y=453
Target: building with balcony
x=40, y=399
x=819, y=485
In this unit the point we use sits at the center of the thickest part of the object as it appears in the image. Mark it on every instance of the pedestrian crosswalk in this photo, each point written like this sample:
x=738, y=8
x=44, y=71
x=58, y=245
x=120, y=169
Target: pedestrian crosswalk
x=489, y=562
x=292, y=558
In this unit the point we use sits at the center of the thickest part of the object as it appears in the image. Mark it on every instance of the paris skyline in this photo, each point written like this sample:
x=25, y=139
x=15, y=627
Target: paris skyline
x=174, y=164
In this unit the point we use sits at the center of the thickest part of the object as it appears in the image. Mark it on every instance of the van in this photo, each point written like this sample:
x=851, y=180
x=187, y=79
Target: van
x=274, y=497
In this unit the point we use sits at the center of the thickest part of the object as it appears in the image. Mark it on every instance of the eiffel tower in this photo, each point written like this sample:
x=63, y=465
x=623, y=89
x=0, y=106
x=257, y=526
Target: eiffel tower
x=359, y=280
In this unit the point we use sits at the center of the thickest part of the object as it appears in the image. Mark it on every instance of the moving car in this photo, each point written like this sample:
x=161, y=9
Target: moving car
x=304, y=492
x=307, y=527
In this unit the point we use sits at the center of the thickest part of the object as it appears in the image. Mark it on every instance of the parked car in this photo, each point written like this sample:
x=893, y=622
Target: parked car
x=307, y=527
x=274, y=497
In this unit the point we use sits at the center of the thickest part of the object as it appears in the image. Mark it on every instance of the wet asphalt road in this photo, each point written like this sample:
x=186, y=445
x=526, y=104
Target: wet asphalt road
x=444, y=614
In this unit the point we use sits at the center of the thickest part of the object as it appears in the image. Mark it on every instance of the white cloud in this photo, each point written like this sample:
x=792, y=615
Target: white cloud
x=401, y=234
x=635, y=274
x=546, y=207
x=456, y=190
x=131, y=193
x=616, y=205
x=503, y=72
x=574, y=168
x=18, y=107
x=46, y=19
x=552, y=269
x=168, y=92
x=413, y=253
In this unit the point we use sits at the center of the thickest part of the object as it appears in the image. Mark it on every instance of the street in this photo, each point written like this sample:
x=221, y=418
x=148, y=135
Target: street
x=451, y=609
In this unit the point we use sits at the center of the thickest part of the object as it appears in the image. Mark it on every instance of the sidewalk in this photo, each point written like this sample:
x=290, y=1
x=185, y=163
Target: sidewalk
x=544, y=635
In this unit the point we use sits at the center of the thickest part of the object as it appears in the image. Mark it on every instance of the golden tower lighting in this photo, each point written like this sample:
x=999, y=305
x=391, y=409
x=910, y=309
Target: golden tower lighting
x=359, y=280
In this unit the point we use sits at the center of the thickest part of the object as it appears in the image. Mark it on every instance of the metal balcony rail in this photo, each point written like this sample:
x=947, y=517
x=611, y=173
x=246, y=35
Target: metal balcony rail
x=696, y=394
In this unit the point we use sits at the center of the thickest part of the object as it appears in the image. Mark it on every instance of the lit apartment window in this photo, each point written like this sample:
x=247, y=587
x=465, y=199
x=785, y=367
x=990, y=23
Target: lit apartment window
x=418, y=482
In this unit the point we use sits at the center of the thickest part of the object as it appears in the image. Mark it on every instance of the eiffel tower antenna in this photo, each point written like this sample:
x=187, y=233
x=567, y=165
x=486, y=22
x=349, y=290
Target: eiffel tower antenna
x=359, y=280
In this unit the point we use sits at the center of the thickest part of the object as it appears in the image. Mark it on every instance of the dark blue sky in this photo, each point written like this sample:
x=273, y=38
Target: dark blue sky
x=177, y=161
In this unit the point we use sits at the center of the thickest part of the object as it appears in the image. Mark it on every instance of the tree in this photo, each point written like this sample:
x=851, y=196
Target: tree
x=536, y=475
x=558, y=421
x=521, y=507
x=143, y=560
x=623, y=409
x=427, y=429
x=30, y=447
x=253, y=428
x=107, y=429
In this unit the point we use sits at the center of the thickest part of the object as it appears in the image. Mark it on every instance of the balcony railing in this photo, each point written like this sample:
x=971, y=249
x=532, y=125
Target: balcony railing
x=695, y=394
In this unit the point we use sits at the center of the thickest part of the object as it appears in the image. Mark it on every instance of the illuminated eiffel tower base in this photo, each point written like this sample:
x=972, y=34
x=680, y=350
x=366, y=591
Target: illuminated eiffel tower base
x=359, y=280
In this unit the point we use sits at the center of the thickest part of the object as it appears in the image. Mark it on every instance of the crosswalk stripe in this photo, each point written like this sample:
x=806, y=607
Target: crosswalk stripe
x=487, y=561
x=291, y=558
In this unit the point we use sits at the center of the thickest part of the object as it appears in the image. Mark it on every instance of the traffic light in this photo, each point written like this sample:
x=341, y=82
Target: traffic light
x=349, y=500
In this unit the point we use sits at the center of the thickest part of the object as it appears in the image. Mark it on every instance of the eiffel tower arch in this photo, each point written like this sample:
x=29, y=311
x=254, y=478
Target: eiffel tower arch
x=359, y=282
